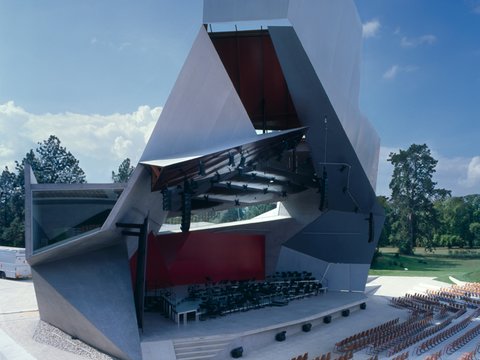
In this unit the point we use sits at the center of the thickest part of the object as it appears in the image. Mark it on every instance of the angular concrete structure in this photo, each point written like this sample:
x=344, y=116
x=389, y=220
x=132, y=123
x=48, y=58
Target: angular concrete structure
x=266, y=116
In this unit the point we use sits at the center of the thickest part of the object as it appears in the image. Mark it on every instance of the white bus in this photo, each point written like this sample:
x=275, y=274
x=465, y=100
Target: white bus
x=13, y=264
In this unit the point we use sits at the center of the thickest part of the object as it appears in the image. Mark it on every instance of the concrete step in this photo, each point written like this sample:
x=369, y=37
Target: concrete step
x=197, y=357
x=202, y=341
x=200, y=348
x=198, y=352
x=192, y=347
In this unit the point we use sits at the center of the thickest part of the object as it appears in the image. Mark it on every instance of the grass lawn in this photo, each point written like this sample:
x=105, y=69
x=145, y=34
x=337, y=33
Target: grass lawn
x=462, y=264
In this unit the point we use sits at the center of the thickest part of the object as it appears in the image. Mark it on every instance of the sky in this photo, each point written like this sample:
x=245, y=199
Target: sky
x=97, y=74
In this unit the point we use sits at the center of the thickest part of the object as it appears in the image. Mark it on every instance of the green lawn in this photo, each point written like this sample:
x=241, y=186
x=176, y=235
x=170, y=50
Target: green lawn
x=463, y=264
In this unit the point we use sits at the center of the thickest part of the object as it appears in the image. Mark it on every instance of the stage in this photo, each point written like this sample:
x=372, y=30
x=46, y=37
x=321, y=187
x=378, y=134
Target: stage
x=251, y=330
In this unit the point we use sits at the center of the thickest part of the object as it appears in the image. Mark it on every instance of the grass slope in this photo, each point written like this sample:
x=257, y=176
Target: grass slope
x=459, y=263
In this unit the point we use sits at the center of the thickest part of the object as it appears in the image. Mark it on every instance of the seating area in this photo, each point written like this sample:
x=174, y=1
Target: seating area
x=462, y=340
x=435, y=318
x=472, y=354
x=442, y=336
x=327, y=356
x=211, y=299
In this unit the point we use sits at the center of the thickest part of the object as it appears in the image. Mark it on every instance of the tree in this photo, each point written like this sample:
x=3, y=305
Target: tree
x=8, y=183
x=387, y=225
x=9, y=190
x=51, y=163
x=56, y=164
x=475, y=231
x=456, y=215
x=125, y=170
x=413, y=194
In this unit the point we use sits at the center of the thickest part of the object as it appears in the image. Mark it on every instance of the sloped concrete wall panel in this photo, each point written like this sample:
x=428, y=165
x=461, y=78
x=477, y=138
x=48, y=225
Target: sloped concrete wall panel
x=203, y=109
x=336, y=276
x=337, y=237
x=57, y=311
x=328, y=141
x=90, y=297
x=331, y=34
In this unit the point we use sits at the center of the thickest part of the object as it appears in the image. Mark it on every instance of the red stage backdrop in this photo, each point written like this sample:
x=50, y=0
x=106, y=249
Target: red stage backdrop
x=191, y=258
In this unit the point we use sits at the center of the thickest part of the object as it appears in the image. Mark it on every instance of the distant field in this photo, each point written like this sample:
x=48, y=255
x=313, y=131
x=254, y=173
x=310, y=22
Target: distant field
x=463, y=264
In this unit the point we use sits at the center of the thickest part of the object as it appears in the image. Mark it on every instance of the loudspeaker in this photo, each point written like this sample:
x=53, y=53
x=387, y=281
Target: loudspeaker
x=281, y=336
x=186, y=211
x=237, y=352
x=306, y=327
x=363, y=306
x=166, y=200
x=345, y=312
x=371, y=228
x=327, y=319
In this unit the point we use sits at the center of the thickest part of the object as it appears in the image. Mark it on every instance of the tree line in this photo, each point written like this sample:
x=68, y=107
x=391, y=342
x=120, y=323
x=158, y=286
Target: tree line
x=419, y=214
x=51, y=163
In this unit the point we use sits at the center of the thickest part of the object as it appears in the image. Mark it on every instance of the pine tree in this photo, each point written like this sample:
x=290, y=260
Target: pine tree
x=413, y=194
x=125, y=170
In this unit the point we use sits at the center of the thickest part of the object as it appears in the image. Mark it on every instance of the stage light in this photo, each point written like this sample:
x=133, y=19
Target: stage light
x=281, y=336
x=237, y=352
x=306, y=327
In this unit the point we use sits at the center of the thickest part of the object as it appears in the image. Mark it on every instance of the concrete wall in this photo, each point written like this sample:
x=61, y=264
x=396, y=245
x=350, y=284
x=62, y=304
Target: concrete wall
x=89, y=296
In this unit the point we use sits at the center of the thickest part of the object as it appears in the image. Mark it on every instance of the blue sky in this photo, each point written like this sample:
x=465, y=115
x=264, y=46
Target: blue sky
x=97, y=74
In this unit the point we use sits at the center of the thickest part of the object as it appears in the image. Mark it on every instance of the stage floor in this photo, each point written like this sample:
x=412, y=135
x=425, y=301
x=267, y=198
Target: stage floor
x=159, y=328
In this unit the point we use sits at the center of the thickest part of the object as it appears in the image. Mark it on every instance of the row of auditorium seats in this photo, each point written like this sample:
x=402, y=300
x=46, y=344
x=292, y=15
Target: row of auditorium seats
x=327, y=356
x=423, y=326
x=442, y=336
x=471, y=355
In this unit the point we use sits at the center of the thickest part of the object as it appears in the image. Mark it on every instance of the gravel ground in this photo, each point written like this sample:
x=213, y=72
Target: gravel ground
x=50, y=335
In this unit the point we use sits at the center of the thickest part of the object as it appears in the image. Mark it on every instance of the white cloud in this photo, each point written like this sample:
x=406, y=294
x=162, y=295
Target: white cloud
x=99, y=142
x=392, y=72
x=472, y=179
x=124, y=45
x=93, y=40
x=475, y=6
x=421, y=40
x=370, y=28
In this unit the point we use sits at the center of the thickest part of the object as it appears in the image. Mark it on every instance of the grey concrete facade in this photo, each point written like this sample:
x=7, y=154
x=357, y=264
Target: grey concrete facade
x=327, y=222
